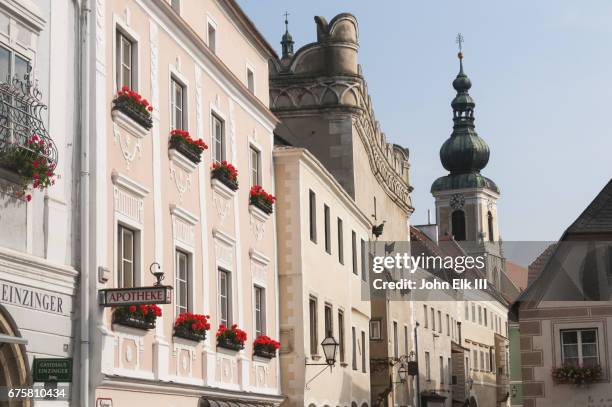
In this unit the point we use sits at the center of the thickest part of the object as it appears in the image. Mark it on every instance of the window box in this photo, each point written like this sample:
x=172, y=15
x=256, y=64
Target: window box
x=134, y=106
x=226, y=173
x=142, y=317
x=264, y=353
x=259, y=198
x=228, y=344
x=232, y=339
x=190, y=334
x=577, y=375
x=191, y=149
x=191, y=326
x=265, y=347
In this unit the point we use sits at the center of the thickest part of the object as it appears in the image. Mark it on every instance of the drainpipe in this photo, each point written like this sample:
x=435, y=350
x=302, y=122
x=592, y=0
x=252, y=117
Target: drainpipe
x=416, y=351
x=83, y=52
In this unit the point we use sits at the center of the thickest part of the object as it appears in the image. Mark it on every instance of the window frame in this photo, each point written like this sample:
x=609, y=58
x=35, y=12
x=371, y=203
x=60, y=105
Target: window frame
x=254, y=165
x=340, y=232
x=250, y=78
x=121, y=227
x=312, y=215
x=580, y=345
x=228, y=296
x=363, y=353
x=313, y=323
x=375, y=325
x=121, y=28
x=259, y=292
x=211, y=23
x=354, y=252
x=177, y=81
x=178, y=252
x=327, y=228
x=219, y=141
x=342, y=345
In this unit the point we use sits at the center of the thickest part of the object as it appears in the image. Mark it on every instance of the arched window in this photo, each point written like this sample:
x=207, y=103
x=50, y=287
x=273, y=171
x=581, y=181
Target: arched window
x=490, y=221
x=458, y=223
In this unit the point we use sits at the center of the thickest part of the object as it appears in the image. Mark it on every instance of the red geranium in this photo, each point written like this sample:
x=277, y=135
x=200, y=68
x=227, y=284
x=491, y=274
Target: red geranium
x=233, y=334
x=184, y=136
x=147, y=312
x=198, y=323
x=257, y=192
x=135, y=98
x=227, y=169
x=266, y=342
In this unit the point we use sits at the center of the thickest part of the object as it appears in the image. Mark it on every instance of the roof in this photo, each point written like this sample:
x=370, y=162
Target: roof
x=517, y=274
x=251, y=28
x=597, y=217
x=461, y=181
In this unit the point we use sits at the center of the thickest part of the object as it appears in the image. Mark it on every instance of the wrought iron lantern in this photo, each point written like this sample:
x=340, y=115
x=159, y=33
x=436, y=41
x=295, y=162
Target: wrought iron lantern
x=330, y=347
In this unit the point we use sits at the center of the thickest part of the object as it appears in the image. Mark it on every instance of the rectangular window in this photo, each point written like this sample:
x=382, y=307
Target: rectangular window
x=441, y=370
x=405, y=340
x=395, y=341
x=218, y=131
x=327, y=229
x=212, y=38
x=440, y=321
x=448, y=325
x=255, y=164
x=479, y=315
x=177, y=102
x=375, y=331
x=340, y=242
x=354, y=348
x=181, y=284
x=341, y=335
x=124, y=57
x=354, y=247
x=449, y=366
x=364, y=269
x=485, y=317
x=260, y=311
x=363, y=352
x=482, y=361
x=312, y=201
x=427, y=366
x=250, y=80
x=314, y=341
x=225, y=298
x=329, y=323
x=425, y=318
x=579, y=347
x=433, y=320
x=467, y=311
x=474, y=359
x=126, y=249
x=473, y=312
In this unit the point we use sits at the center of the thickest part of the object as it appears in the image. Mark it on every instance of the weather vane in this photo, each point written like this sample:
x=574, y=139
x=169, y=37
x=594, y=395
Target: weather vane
x=459, y=41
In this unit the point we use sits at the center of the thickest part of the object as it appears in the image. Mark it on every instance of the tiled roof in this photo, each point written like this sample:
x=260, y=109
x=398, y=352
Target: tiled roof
x=597, y=217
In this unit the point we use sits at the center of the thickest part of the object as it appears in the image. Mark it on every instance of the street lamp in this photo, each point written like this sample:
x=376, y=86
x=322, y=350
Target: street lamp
x=403, y=372
x=330, y=346
x=159, y=275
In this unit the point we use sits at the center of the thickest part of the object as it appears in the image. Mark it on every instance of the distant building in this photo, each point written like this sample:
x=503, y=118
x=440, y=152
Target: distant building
x=565, y=315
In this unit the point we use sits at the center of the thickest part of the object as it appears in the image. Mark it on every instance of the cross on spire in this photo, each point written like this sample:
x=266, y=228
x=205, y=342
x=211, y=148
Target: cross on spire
x=286, y=18
x=459, y=40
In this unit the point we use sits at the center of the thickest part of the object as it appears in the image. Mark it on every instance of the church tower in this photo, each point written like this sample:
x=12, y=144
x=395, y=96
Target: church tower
x=466, y=200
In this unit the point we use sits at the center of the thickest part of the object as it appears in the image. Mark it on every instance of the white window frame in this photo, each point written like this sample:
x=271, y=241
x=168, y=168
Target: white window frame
x=255, y=171
x=179, y=309
x=215, y=114
x=228, y=296
x=375, y=330
x=249, y=69
x=120, y=258
x=261, y=310
x=597, y=326
x=120, y=25
x=176, y=77
x=211, y=23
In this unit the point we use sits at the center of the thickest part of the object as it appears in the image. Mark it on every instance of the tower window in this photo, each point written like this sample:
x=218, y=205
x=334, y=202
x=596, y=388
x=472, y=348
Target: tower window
x=490, y=222
x=458, y=223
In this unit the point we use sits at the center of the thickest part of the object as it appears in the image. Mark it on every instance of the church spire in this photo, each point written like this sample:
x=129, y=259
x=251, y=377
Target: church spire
x=287, y=40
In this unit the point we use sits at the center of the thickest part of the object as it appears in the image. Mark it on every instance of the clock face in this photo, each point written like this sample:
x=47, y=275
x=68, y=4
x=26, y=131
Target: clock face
x=457, y=201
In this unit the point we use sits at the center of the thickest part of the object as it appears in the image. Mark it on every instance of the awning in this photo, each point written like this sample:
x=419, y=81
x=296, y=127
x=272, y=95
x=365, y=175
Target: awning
x=208, y=402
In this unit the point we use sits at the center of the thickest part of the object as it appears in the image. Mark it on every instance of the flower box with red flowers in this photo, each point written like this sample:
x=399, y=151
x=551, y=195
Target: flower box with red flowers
x=261, y=199
x=181, y=141
x=134, y=106
x=231, y=338
x=32, y=164
x=137, y=316
x=265, y=347
x=226, y=173
x=576, y=375
x=191, y=326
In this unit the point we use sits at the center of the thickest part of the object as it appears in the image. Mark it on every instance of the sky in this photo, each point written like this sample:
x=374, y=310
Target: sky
x=541, y=77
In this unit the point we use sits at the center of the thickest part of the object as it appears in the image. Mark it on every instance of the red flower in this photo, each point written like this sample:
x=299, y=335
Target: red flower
x=28, y=197
x=132, y=308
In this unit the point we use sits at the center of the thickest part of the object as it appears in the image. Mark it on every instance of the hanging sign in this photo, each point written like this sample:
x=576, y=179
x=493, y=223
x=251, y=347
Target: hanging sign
x=120, y=297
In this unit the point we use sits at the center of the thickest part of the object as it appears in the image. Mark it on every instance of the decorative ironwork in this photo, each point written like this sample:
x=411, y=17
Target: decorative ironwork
x=20, y=119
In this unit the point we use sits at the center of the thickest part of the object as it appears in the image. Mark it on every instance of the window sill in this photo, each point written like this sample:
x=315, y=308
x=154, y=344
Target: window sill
x=181, y=161
x=223, y=190
x=257, y=213
x=128, y=124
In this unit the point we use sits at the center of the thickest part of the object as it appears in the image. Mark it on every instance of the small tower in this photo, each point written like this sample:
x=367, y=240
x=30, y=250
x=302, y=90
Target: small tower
x=466, y=201
x=287, y=40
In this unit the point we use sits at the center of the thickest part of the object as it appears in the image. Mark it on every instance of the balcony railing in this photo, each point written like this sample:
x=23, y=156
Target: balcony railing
x=20, y=120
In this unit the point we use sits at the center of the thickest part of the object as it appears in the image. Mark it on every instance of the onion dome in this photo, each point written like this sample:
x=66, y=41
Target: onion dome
x=464, y=154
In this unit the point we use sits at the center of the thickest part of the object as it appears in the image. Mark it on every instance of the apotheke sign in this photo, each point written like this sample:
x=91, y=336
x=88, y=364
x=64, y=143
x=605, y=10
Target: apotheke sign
x=116, y=297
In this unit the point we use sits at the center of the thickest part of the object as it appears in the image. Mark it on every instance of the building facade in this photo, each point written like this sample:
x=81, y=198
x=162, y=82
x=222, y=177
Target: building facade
x=320, y=95
x=198, y=71
x=39, y=211
x=321, y=229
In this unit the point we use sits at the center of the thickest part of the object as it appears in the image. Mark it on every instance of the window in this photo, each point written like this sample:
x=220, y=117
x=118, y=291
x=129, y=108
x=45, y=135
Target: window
x=354, y=348
x=441, y=370
x=440, y=321
x=363, y=352
x=485, y=317
x=181, y=284
x=491, y=364
x=314, y=341
x=212, y=37
x=433, y=320
x=12, y=65
x=250, y=80
x=255, y=164
x=312, y=201
x=427, y=366
x=260, y=310
x=218, y=131
x=405, y=340
x=490, y=223
x=450, y=371
x=225, y=298
x=364, y=269
x=474, y=359
x=177, y=102
x=375, y=333
x=176, y=5
x=354, y=246
x=395, y=341
x=579, y=347
x=125, y=56
x=467, y=311
x=448, y=325
x=126, y=255
x=340, y=242
x=473, y=312
x=479, y=315
x=425, y=319
x=341, y=334
x=458, y=225
x=327, y=229
x=482, y=362
x=329, y=323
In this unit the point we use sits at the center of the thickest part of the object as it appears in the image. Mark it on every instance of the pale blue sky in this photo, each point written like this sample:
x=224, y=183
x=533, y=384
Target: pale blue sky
x=542, y=81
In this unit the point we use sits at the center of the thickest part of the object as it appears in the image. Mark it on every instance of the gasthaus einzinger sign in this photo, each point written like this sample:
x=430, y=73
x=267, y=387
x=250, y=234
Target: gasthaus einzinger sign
x=117, y=297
